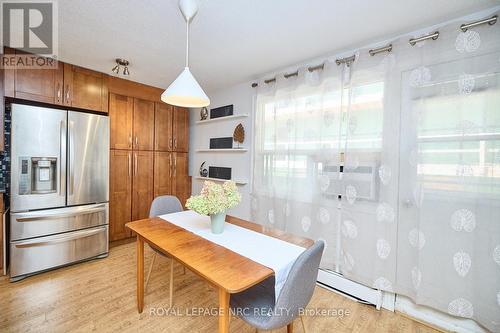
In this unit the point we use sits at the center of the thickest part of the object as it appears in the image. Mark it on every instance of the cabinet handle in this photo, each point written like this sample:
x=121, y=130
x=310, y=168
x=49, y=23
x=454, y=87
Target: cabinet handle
x=175, y=143
x=135, y=164
x=130, y=140
x=175, y=165
x=67, y=93
x=58, y=92
x=170, y=143
x=129, y=164
x=171, y=166
x=136, y=142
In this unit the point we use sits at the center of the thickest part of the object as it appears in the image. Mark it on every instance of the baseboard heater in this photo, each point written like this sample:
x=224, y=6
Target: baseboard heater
x=336, y=282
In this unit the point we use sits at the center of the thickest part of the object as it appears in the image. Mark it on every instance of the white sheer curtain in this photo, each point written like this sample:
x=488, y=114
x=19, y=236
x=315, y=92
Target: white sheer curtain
x=411, y=141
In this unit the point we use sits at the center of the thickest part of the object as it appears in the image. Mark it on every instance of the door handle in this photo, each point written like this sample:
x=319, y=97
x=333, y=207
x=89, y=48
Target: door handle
x=58, y=239
x=62, y=162
x=71, y=158
x=38, y=216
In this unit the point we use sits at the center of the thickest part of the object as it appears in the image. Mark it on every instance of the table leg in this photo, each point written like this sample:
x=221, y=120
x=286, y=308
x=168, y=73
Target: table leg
x=289, y=328
x=140, y=274
x=224, y=311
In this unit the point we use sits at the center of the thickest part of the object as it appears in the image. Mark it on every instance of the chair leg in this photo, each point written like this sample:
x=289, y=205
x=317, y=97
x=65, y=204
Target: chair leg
x=149, y=271
x=171, y=281
x=303, y=325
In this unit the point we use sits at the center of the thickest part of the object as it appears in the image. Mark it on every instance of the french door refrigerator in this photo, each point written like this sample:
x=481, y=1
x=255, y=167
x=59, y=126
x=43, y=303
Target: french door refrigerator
x=59, y=188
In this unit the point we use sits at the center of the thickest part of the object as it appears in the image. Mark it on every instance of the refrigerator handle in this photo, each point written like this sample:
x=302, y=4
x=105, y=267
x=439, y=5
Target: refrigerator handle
x=71, y=158
x=58, y=238
x=62, y=159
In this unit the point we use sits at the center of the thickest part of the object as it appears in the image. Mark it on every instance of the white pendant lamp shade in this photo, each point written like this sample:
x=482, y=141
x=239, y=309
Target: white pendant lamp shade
x=186, y=92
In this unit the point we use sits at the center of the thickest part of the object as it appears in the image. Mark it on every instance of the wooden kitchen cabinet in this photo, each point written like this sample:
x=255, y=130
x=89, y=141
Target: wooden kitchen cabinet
x=171, y=175
x=142, y=184
x=121, y=109
x=120, y=199
x=85, y=89
x=164, y=115
x=181, y=129
x=144, y=123
x=181, y=184
x=39, y=85
x=162, y=173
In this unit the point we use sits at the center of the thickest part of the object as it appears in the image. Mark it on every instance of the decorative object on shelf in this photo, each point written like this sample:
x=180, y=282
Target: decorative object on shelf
x=203, y=113
x=214, y=200
x=203, y=171
x=219, y=172
x=185, y=91
x=221, y=143
x=222, y=111
x=121, y=62
x=239, y=134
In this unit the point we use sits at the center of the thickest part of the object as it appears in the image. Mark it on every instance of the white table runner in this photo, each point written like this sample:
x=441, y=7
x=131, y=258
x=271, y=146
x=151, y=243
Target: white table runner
x=265, y=250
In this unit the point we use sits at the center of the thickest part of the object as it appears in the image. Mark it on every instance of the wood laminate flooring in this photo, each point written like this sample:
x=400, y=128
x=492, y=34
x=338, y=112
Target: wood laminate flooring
x=99, y=296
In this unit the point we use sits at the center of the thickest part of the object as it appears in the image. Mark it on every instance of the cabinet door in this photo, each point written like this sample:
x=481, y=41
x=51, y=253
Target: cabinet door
x=181, y=182
x=181, y=129
x=142, y=191
x=144, y=123
x=163, y=173
x=40, y=85
x=120, y=199
x=85, y=89
x=163, y=127
x=121, y=110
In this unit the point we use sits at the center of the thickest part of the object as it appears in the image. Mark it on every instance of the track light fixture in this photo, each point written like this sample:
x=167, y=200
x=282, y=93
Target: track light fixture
x=121, y=62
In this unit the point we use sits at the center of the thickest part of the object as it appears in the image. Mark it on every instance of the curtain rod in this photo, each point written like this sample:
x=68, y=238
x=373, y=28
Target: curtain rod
x=492, y=20
x=433, y=36
x=413, y=41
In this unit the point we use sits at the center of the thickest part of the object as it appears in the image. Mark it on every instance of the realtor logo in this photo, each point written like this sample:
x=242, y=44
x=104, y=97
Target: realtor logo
x=30, y=26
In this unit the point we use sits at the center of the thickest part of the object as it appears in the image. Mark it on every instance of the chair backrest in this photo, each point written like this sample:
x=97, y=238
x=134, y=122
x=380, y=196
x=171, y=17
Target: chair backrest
x=165, y=204
x=299, y=286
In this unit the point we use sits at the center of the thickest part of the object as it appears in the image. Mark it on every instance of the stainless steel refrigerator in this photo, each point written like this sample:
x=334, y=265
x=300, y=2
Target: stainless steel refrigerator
x=59, y=188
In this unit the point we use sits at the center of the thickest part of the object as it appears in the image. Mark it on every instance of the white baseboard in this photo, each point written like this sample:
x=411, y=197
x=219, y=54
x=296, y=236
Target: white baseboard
x=356, y=290
x=437, y=318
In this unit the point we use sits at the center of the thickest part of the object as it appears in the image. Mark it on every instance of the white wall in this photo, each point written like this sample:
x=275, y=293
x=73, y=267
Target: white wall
x=241, y=96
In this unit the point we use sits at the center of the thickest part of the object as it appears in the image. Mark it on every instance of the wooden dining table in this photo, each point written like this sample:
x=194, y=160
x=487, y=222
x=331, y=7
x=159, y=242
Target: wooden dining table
x=224, y=269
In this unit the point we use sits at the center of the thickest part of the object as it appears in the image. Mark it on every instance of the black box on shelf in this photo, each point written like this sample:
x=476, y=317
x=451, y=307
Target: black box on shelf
x=221, y=143
x=219, y=172
x=222, y=111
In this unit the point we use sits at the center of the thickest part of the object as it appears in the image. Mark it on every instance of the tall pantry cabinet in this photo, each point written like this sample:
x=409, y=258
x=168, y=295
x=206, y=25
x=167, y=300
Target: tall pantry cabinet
x=148, y=158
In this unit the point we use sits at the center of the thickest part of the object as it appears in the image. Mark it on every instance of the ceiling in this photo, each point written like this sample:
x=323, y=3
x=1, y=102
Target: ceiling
x=234, y=41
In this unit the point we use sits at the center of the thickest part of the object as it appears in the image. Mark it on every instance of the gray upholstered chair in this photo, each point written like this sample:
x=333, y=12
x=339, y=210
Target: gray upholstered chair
x=295, y=294
x=161, y=205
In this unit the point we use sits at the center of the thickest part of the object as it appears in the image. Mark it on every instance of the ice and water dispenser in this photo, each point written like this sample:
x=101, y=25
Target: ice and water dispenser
x=38, y=175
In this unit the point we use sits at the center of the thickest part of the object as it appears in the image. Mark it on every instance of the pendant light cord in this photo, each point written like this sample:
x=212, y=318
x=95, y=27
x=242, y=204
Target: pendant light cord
x=187, y=43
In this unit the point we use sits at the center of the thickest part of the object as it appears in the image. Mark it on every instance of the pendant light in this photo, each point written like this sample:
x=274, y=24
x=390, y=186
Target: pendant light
x=185, y=91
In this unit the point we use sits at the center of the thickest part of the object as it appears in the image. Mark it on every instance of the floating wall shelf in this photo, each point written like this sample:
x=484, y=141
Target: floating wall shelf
x=239, y=182
x=223, y=150
x=236, y=116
